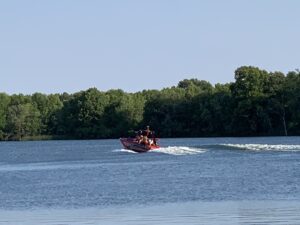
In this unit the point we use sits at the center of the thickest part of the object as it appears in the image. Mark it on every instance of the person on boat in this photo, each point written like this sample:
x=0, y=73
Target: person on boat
x=148, y=131
x=145, y=137
x=137, y=137
x=152, y=137
x=141, y=139
x=145, y=140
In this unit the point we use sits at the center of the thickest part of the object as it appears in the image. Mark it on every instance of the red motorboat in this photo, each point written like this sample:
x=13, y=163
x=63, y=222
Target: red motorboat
x=134, y=145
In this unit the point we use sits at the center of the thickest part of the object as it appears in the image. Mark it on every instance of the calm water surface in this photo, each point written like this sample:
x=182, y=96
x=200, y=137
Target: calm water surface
x=188, y=181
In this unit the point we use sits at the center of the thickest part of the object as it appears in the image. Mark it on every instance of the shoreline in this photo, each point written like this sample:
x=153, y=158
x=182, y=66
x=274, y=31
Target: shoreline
x=66, y=138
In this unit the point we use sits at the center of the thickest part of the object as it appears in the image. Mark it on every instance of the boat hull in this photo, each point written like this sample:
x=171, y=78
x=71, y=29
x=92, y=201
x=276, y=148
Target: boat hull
x=133, y=145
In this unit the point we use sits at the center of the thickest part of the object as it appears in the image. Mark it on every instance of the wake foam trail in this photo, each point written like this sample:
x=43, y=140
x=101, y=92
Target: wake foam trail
x=179, y=150
x=264, y=147
x=124, y=150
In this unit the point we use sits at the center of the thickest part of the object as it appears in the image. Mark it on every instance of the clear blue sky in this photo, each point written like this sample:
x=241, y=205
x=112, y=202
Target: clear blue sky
x=70, y=45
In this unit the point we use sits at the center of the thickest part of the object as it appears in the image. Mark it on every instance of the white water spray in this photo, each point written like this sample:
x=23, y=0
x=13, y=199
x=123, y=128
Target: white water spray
x=179, y=150
x=264, y=147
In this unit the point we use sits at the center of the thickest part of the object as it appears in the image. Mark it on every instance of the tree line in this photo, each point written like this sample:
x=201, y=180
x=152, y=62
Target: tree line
x=257, y=103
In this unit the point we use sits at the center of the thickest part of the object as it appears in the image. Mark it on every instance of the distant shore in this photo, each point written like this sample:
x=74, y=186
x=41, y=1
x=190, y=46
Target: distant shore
x=38, y=138
x=65, y=138
x=258, y=103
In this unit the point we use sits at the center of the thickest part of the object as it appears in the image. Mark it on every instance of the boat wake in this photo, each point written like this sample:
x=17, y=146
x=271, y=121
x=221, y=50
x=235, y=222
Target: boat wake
x=184, y=150
x=264, y=147
x=124, y=150
x=171, y=150
x=179, y=150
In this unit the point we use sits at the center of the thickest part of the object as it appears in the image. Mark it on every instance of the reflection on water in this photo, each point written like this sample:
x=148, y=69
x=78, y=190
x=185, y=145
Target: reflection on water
x=214, y=213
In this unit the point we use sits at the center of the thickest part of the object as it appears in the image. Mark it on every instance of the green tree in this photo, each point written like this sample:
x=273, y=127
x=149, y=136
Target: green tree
x=82, y=115
x=201, y=84
x=248, y=91
x=22, y=120
x=257, y=103
x=124, y=112
x=291, y=92
x=275, y=103
x=4, y=102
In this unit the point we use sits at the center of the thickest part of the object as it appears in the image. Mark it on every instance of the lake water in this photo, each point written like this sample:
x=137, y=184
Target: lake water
x=187, y=181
